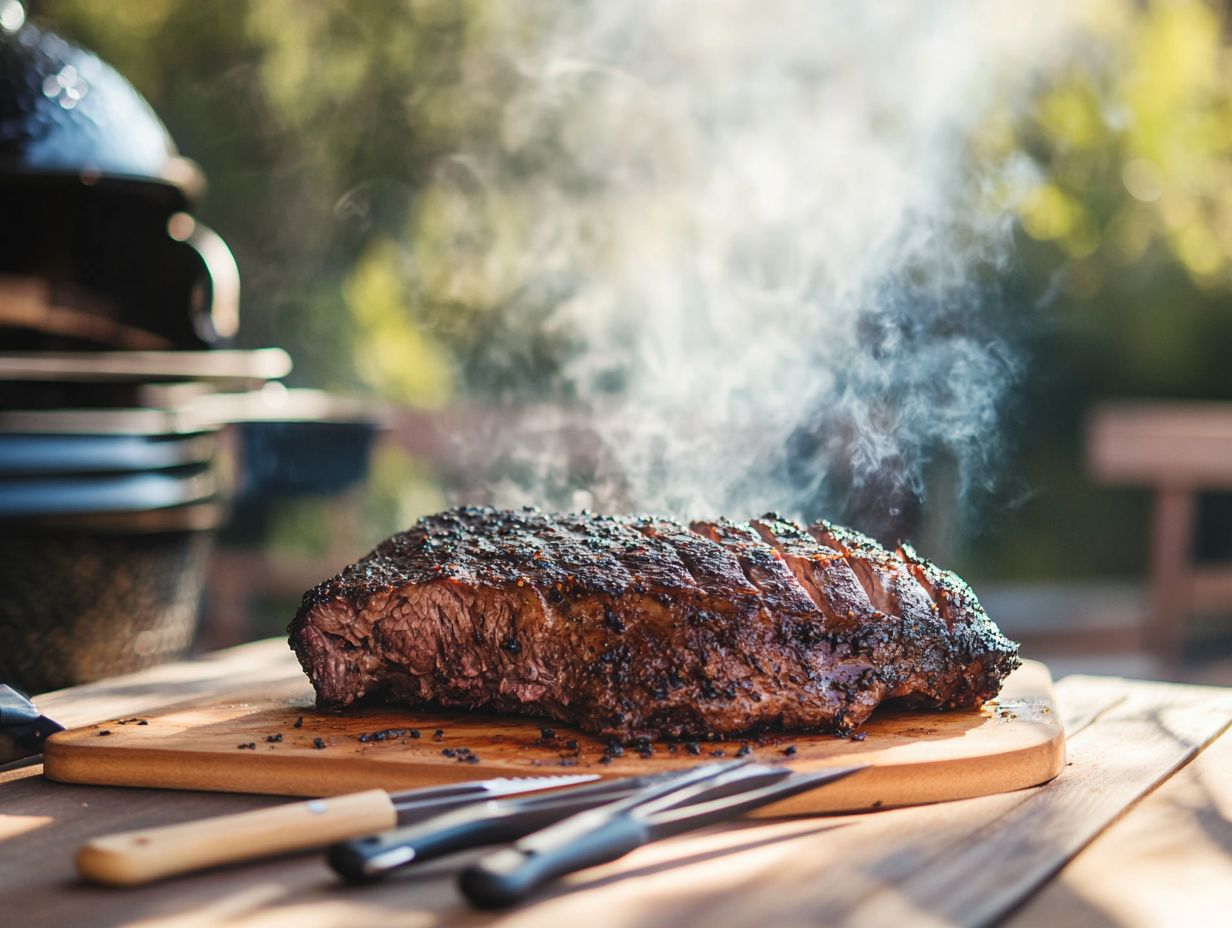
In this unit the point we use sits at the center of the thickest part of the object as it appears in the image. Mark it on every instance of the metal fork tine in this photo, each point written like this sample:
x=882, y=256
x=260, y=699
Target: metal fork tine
x=620, y=787
x=672, y=785
x=709, y=811
x=743, y=779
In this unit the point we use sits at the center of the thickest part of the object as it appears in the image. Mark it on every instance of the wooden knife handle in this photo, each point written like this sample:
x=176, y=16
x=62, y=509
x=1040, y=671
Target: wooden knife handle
x=135, y=857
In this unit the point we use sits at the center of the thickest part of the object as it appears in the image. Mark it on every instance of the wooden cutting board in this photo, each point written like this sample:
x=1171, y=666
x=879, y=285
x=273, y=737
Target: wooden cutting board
x=264, y=737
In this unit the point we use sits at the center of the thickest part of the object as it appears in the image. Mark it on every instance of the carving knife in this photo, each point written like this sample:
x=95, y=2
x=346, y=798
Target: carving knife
x=135, y=857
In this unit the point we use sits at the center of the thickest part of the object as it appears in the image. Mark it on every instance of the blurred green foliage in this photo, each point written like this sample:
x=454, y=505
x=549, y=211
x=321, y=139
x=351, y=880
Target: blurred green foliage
x=328, y=132
x=1127, y=235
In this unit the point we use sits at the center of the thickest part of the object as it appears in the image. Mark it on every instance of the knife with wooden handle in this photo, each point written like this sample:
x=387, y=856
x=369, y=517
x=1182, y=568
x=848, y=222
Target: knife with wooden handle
x=136, y=857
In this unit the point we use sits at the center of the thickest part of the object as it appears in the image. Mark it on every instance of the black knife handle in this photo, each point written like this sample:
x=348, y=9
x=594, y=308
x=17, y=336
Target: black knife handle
x=511, y=875
x=363, y=860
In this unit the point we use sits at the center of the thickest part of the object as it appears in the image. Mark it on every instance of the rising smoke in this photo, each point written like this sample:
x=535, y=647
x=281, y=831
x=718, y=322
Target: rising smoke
x=754, y=240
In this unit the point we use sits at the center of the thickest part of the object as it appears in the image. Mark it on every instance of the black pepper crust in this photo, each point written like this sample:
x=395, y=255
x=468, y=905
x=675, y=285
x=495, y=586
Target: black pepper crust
x=636, y=627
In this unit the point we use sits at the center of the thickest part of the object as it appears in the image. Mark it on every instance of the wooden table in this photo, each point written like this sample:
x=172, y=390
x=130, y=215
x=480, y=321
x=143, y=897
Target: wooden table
x=1136, y=831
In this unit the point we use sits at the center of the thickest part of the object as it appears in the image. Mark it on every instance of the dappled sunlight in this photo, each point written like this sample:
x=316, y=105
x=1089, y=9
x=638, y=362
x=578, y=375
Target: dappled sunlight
x=1181, y=836
x=13, y=825
x=234, y=908
x=657, y=883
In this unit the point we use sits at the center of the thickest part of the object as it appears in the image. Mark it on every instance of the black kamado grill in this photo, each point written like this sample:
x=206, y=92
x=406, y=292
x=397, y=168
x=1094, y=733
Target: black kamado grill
x=117, y=310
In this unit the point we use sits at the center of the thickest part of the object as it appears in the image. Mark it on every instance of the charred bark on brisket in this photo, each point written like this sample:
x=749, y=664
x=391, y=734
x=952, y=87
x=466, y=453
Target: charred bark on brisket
x=642, y=627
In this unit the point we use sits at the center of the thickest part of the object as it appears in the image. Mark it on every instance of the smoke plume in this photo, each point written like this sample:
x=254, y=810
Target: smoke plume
x=745, y=253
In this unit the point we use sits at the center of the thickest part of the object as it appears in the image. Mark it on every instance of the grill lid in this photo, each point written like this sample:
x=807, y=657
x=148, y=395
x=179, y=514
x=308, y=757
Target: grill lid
x=63, y=111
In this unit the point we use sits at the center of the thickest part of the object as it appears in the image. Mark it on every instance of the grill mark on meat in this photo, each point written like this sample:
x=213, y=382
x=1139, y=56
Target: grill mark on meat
x=659, y=589
x=888, y=635
x=710, y=566
x=642, y=627
x=823, y=571
x=953, y=597
x=801, y=554
x=864, y=557
x=972, y=637
x=810, y=663
x=720, y=631
x=653, y=563
x=891, y=585
x=762, y=565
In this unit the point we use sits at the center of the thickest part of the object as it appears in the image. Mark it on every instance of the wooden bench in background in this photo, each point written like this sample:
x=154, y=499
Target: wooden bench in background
x=1178, y=450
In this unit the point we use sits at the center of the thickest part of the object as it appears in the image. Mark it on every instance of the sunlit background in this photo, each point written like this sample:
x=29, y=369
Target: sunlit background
x=877, y=262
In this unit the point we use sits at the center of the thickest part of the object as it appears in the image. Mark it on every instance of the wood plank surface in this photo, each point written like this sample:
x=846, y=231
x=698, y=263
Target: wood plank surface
x=1169, y=862
x=973, y=871
x=267, y=737
x=896, y=867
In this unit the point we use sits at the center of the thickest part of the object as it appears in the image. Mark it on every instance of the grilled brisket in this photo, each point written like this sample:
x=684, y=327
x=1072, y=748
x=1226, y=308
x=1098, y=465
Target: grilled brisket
x=642, y=627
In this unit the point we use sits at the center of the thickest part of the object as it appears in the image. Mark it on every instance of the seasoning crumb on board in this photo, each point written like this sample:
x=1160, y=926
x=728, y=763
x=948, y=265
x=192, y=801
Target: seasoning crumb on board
x=298, y=723
x=859, y=736
x=744, y=751
x=247, y=746
x=105, y=731
x=384, y=734
x=273, y=739
x=789, y=750
x=318, y=743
